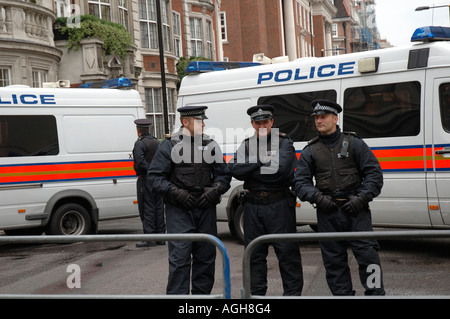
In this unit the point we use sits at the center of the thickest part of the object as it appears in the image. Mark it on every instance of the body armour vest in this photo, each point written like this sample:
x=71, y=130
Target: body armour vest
x=151, y=144
x=335, y=168
x=189, y=169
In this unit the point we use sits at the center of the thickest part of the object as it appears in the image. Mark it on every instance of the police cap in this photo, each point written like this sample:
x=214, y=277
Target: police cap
x=323, y=106
x=142, y=122
x=197, y=112
x=261, y=112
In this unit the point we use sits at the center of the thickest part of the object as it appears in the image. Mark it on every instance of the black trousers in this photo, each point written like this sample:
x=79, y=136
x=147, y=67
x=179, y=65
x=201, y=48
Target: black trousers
x=185, y=256
x=151, y=208
x=335, y=258
x=274, y=218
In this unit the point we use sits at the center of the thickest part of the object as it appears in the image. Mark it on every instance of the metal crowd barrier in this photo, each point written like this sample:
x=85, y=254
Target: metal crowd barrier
x=301, y=237
x=121, y=238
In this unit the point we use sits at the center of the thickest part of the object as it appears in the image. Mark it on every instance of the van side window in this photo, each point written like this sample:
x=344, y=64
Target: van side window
x=28, y=135
x=388, y=110
x=444, y=98
x=293, y=112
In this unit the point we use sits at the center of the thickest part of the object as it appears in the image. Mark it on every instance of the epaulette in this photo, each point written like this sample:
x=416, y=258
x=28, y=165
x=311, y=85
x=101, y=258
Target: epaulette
x=313, y=140
x=350, y=133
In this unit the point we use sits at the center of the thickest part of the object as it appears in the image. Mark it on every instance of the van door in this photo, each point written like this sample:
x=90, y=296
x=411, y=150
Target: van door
x=384, y=110
x=441, y=144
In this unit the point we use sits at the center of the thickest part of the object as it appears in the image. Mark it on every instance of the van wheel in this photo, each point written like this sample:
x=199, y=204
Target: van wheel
x=238, y=222
x=69, y=219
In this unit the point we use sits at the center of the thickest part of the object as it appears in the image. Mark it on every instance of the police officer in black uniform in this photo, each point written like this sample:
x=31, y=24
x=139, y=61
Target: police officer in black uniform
x=189, y=170
x=150, y=204
x=348, y=176
x=266, y=163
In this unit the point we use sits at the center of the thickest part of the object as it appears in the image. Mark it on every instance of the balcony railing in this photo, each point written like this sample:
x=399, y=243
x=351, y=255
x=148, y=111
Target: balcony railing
x=26, y=21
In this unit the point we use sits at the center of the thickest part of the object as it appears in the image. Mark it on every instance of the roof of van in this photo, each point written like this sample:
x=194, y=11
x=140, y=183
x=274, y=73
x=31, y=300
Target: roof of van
x=24, y=96
x=394, y=59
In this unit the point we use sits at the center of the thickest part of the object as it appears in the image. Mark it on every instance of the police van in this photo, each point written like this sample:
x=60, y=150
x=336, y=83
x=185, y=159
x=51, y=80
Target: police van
x=65, y=157
x=396, y=99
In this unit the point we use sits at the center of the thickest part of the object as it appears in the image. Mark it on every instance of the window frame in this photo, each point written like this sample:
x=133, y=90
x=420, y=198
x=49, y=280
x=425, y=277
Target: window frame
x=444, y=110
x=298, y=125
x=101, y=5
x=153, y=98
x=26, y=128
x=5, y=80
x=379, y=104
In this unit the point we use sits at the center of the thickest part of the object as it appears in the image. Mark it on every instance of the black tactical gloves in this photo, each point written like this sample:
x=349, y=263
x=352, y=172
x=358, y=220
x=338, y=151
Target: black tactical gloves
x=354, y=205
x=325, y=203
x=210, y=196
x=181, y=197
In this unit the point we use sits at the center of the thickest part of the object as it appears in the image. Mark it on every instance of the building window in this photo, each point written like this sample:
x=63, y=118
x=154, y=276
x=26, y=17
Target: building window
x=5, y=77
x=334, y=30
x=223, y=26
x=335, y=50
x=177, y=42
x=149, y=27
x=123, y=13
x=154, y=110
x=196, y=37
x=166, y=26
x=39, y=77
x=100, y=8
x=62, y=8
x=147, y=17
x=209, y=45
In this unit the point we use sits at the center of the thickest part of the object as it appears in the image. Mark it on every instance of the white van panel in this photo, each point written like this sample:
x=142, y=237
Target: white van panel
x=99, y=133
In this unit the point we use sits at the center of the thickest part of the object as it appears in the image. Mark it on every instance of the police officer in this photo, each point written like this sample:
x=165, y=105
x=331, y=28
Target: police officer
x=150, y=205
x=189, y=170
x=266, y=163
x=348, y=176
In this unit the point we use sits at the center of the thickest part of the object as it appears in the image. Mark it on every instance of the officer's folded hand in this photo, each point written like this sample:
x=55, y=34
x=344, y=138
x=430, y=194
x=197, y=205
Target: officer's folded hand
x=210, y=197
x=325, y=202
x=182, y=197
x=354, y=205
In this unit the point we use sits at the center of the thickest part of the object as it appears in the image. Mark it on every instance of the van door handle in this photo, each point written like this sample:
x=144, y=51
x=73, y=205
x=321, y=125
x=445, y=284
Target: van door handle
x=445, y=150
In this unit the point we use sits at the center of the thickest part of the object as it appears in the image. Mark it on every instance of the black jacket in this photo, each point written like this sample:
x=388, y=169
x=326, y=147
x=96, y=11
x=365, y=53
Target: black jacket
x=366, y=162
x=164, y=161
x=263, y=168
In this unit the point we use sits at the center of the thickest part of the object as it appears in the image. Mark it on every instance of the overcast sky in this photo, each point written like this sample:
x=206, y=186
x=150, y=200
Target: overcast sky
x=397, y=19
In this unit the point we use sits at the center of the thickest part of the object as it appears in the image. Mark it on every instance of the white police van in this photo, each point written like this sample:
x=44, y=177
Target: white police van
x=65, y=157
x=396, y=99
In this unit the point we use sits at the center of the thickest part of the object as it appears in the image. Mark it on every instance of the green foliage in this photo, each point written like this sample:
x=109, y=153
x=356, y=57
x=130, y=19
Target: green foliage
x=183, y=63
x=116, y=39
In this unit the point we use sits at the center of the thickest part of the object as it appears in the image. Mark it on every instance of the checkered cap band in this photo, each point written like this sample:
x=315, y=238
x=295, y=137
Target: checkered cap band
x=192, y=113
x=261, y=113
x=324, y=108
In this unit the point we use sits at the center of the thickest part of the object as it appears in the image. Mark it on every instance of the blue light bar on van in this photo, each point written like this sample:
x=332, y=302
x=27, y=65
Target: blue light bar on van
x=431, y=33
x=207, y=66
x=118, y=83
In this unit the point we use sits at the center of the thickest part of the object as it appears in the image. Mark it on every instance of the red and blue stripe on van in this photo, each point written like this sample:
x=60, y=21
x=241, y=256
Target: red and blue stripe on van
x=409, y=158
x=66, y=171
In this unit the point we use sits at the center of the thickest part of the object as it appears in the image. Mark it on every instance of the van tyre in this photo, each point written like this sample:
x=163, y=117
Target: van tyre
x=69, y=219
x=238, y=223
